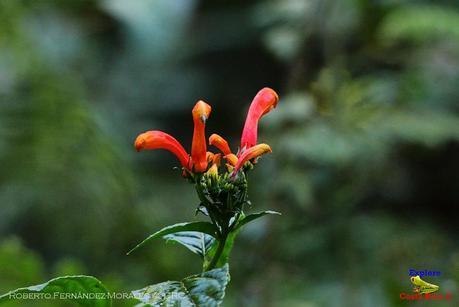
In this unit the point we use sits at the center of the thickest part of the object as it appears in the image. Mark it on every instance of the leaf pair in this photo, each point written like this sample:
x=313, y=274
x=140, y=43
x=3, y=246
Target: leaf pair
x=208, y=288
x=172, y=233
x=201, y=237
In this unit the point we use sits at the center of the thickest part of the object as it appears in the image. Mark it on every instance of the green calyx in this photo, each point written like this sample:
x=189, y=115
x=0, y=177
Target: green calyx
x=222, y=198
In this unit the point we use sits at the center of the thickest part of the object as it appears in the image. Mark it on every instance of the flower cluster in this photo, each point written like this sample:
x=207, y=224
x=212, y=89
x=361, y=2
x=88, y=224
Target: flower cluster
x=222, y=189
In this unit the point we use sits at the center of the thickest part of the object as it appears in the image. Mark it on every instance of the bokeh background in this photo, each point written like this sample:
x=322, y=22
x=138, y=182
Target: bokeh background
x=365, y=166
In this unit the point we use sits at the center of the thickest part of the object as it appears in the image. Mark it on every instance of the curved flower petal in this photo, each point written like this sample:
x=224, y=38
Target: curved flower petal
x=216, y=159
x=160, y=140
x=265, y=100
x=200, y=112
x=209, y=156
x=220, y=143
x=231, y=158
x=251, y=153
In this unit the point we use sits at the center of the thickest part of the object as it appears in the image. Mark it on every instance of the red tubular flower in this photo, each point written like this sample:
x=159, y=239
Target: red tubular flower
x=265, y=100
x=220, y=143
x=200, y=112
x=160, y=140
x=251, y=153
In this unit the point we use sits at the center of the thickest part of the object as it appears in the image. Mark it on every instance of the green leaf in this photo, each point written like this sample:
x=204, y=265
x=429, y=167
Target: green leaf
x=85, y=290
x=197, y=242
x=254, y=216
x=201, y=290
x=204, y=227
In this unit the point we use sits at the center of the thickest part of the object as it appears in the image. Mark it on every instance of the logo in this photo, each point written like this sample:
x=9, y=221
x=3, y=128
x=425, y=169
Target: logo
x=423, y=287
x=413, y=272
x=424, y=290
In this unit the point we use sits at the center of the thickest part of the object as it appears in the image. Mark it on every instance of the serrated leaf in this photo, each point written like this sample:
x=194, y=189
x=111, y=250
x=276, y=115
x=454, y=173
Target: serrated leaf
x=204, y=227
x=201, y=290
x=197, y=242
x=85, y=290
x=254, y=216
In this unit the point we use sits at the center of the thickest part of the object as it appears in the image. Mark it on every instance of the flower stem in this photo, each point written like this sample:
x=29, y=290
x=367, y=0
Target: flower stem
x=218, y=253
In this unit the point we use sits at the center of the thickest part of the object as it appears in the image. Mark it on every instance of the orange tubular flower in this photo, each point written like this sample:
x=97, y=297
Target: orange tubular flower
x=216, y=159
x=200, y=112
x=220, y=143
x=209, y=156
x=265, y=100
x=160, y=140
x=231, y=158
x=251, y=153
x=213, y=170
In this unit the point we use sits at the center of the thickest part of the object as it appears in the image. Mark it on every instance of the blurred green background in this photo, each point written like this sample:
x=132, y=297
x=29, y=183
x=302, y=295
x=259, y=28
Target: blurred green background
x=365, y=163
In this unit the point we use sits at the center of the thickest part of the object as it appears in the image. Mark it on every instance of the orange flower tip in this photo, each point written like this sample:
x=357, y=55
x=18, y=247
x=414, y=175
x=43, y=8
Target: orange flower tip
x=216, y=159
x=252, y=153
x=260, y=150
x=220, y=143
x=209, y=156
x=214, y=139
x=139, y=144
x=201, y=111
x=257, y=150
x=141, y=141
x=231, y=158
x=267, y=149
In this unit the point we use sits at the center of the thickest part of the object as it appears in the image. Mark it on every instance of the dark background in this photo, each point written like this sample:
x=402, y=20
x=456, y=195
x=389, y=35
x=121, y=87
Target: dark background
x=365, y=163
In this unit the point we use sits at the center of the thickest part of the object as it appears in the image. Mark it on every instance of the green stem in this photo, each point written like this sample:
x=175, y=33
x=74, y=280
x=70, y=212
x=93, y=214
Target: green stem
x=218, y=253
